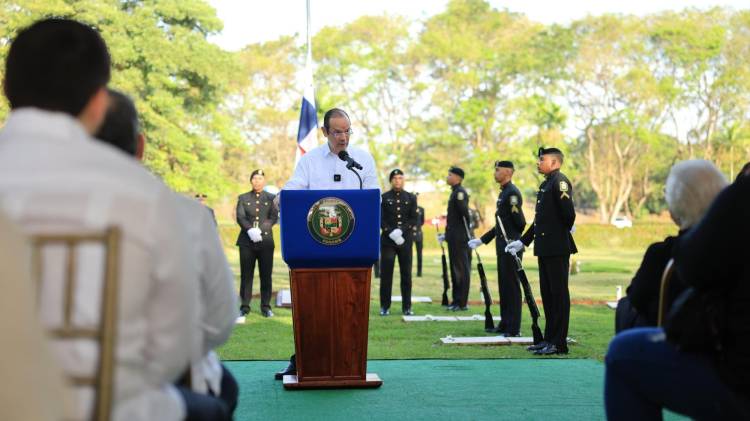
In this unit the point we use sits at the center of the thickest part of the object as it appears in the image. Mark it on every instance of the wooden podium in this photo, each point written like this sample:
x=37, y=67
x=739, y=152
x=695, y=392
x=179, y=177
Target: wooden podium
x=330, y=259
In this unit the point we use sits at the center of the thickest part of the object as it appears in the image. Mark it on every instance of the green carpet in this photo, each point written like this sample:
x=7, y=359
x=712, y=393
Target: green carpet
x=559, y=389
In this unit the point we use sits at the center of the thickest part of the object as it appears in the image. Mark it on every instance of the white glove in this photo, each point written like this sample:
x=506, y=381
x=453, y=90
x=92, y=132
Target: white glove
x=397, y=236
x=573, y=229
x=474, y=243
x=441, y=238
x=514, y=247
x=254, y=234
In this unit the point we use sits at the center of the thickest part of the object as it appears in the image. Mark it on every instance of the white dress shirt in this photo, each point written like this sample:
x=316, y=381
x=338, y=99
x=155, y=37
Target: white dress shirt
x=317, y=168
x=54, y=177
x=218, y=310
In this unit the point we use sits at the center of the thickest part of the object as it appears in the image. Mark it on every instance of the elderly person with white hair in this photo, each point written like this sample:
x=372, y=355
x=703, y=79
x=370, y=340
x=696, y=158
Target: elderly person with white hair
x=690, y=188
x=648, y=370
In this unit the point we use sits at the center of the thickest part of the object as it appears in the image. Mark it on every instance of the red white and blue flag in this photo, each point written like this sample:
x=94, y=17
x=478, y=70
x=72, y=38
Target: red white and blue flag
x=307, y=134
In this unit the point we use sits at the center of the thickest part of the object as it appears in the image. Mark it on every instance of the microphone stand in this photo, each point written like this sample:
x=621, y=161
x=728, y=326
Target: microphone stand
x=350, y=168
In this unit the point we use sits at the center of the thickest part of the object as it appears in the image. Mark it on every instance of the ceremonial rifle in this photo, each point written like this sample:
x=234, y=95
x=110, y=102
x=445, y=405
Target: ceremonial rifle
x=489, y=323
x=528, y=294
x=446, y=284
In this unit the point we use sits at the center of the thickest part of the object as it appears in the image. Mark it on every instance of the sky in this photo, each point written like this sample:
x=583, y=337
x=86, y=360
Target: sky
x=252, y=21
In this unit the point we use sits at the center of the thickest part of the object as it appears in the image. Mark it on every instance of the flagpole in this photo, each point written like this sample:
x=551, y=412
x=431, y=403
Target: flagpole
x=309, y=40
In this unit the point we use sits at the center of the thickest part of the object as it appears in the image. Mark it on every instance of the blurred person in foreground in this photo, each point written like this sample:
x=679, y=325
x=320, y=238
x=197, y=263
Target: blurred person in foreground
x=644, y=372
x=690, y=189
x=55, y=177
x=208, y=377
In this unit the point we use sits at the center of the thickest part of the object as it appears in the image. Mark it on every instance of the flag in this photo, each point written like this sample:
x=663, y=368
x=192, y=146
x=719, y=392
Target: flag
x=307, y=134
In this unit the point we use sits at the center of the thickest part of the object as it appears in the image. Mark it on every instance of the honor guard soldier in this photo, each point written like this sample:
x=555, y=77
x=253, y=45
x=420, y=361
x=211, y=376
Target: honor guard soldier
x=256, y=214
x=398, y=210
x=418, y=238
x=459, y=253
x=510, y=212
x=553, y=245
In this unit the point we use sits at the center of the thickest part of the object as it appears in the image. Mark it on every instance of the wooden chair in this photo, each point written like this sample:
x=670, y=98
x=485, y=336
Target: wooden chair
x=666, y=279
x=106, y=331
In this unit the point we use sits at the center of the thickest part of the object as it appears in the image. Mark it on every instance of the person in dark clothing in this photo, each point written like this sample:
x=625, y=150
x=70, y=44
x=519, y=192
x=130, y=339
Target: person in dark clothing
x=418, y=236
x=256, y=215
x=645, y=373
x=459, y=253
x=510, y=211
x=690, y=189
x=398, y=209
x=553, y=245
x=201, y=198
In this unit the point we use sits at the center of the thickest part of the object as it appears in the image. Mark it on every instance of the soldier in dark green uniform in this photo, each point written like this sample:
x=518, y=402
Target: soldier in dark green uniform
x=553, y=245
x=256, y=214
x=459, y=253
x=418, y=237
x=510, y=212
x=398, y=209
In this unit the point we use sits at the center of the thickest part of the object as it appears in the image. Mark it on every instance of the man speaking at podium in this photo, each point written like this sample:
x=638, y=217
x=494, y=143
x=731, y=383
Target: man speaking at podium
x=325, y=168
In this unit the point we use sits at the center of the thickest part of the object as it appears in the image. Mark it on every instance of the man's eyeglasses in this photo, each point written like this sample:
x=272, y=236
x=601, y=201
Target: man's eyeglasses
x=336, y=133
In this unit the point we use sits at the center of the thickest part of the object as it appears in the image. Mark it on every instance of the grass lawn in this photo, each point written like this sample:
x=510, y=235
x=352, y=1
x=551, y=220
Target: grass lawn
x=591, y=325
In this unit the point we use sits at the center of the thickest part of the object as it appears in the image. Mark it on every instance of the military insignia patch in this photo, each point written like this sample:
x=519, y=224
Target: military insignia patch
x=460, y=195
x=513, y=200
x=563, y=186
x=330, y=221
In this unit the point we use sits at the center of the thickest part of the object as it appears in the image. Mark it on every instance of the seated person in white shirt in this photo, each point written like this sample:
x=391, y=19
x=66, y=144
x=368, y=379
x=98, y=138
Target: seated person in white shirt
x=55, y=177
x=322, y=169
x=214, y=390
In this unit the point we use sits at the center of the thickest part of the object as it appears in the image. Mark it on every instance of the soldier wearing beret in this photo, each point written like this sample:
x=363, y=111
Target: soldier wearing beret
x=455, y=235
x=509, y=210
x=256, y=215
x=398, y=210
x=553, y=245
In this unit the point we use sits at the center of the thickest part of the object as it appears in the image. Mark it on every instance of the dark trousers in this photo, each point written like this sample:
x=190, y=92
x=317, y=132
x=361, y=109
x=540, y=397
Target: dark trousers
x=644, y=373
x=388, y=256
x=459, y=256
x=248, y=256
x=510, y=293
x=553, y=283
x=418, y=245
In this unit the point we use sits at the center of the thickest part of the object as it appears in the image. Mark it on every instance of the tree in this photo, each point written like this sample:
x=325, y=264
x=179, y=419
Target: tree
x=161, y=57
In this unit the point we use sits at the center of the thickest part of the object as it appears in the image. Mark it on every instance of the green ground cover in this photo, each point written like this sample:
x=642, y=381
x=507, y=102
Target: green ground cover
x=390, y=338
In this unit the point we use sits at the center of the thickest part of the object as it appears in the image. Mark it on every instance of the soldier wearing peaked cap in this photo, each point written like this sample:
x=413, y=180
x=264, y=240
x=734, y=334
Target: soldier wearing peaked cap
x=256, y=215
x=553, y=245
x=509, y=210
x=398, y=210
x=455, y=235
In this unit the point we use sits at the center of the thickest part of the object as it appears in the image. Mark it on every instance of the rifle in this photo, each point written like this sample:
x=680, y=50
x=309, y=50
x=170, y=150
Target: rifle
x=489, y=323
x=446, y=284
x=527, y=293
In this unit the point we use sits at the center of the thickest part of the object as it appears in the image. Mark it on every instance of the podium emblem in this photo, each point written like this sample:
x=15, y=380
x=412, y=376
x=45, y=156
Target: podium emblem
x=330, y=221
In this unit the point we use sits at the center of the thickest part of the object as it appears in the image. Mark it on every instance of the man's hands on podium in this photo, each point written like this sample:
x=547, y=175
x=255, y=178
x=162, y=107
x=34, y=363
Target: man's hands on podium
x=254, y=234
x=397, y=236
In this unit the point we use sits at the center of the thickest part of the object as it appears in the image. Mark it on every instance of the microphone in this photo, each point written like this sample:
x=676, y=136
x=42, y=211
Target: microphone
x=344, y=156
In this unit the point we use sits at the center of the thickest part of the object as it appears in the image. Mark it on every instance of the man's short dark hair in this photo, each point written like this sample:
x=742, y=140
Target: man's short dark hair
x=120, y=127
x=334, y=112
x=56, y=65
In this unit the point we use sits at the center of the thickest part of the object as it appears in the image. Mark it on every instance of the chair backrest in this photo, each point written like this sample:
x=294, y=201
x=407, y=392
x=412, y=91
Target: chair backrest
x=105, y=332
x=666, y=278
